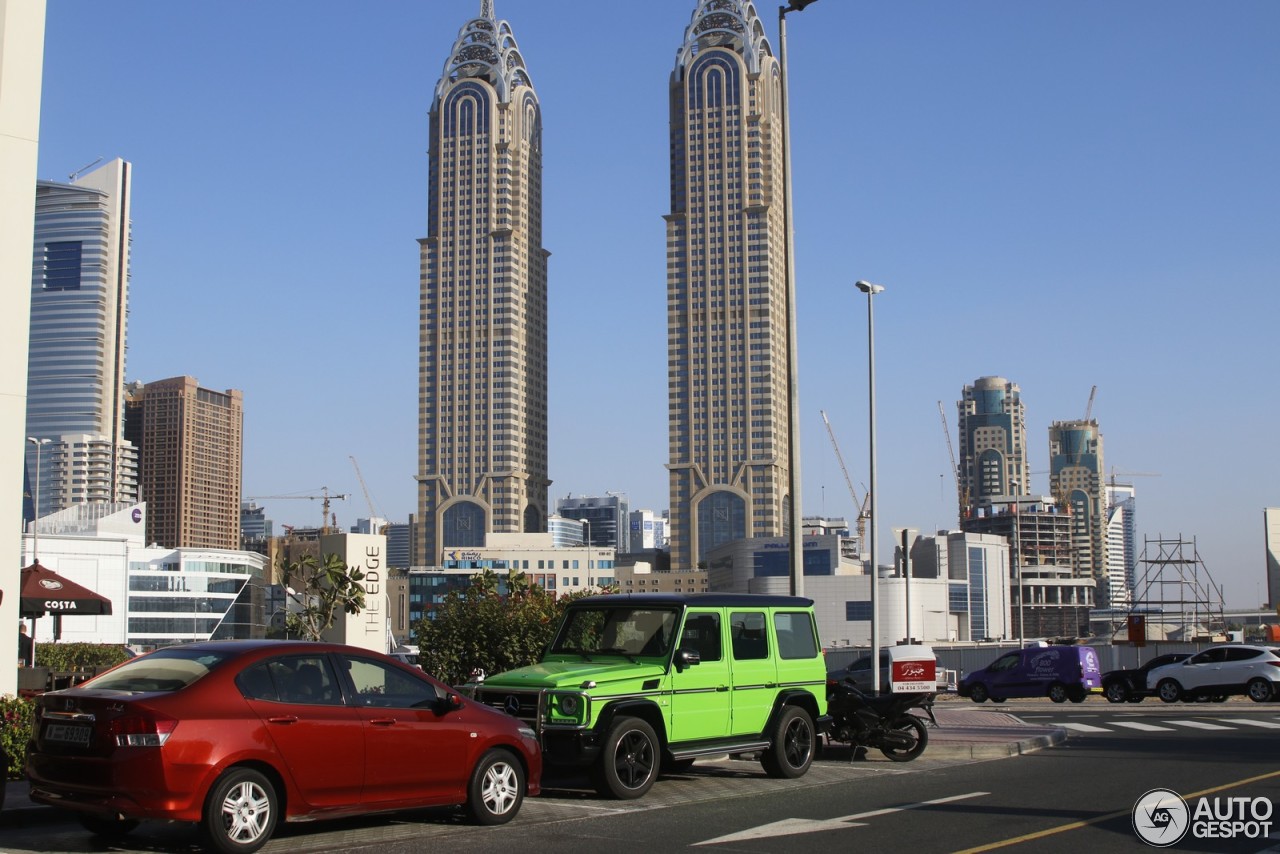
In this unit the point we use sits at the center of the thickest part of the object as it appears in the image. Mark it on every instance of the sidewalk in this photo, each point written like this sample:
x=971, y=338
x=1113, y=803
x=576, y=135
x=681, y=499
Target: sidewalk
x=962, y=733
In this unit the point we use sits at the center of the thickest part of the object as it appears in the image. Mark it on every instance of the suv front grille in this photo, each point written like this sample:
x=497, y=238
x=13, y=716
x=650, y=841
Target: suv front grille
x=519, y=704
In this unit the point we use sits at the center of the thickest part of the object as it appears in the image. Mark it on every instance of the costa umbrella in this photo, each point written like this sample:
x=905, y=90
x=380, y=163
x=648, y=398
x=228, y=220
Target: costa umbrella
x=43, y=591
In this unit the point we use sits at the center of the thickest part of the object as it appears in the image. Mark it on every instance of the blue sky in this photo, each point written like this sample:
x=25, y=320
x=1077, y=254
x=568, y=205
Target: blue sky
x=1063, y=194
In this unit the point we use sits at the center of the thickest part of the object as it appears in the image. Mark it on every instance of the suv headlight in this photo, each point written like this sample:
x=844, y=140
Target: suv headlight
x=567, y=708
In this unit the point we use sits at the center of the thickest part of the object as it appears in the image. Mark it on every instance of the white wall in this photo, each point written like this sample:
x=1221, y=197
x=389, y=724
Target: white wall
x=21, y=66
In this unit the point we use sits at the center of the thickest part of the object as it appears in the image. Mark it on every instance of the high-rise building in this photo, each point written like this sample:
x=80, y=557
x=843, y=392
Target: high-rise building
x=993, y=443
x=1271, y=533
x=726, y=287
x=189, y=473
x=1076, y=481
x=607, y=518
x=482, y=388
x=1122, y=542
x=648, y=530
x=76, y=356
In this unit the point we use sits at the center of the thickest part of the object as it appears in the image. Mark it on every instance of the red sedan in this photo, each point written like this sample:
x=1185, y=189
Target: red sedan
x=239, y=735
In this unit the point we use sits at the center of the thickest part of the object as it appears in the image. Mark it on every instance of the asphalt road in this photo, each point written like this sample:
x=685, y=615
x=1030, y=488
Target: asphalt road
x=1077, y=796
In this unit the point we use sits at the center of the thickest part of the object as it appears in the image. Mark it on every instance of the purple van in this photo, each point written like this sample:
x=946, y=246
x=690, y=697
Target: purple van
x=1058, y=672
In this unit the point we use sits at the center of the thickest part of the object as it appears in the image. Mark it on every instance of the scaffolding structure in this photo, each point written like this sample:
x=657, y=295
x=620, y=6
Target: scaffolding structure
x=1175, y=587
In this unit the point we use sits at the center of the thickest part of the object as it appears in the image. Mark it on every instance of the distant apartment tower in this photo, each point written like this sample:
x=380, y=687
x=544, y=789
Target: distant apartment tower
x=1076, y=481
x=648, y=530
x=993, y=443
x=190, y=466
x=76, y=354
x=726, y=287
x=1122, y=542
x=607, y=518
x=1271, y=534
x=482, y=393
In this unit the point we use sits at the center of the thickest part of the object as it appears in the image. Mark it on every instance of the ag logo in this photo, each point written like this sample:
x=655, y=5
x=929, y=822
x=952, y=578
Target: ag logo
x=1161, y=817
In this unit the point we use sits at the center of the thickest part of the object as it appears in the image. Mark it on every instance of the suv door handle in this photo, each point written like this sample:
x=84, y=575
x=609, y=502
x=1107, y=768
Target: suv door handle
x=720, y=688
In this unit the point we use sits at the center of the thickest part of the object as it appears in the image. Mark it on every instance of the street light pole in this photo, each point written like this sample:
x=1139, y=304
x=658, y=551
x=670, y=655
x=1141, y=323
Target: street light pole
x=871, y=290
x=586, y=541
x=35, y=503
x=793, y=393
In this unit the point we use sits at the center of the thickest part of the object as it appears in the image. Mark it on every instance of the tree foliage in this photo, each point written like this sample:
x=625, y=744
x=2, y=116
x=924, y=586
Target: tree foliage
x=74, y=656
x=319, y=591
x=480, y=628
x=16, y=715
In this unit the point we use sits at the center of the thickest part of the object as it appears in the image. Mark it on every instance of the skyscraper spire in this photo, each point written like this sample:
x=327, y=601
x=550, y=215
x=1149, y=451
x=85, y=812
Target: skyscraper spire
x=486, y=48
x=731, y=24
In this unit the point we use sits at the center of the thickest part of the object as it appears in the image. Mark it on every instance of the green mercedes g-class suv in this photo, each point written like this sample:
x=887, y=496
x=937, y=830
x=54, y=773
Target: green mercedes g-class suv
x=634, y=684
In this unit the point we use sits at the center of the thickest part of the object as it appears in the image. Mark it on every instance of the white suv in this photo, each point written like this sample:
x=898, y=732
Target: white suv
x=1219, y=671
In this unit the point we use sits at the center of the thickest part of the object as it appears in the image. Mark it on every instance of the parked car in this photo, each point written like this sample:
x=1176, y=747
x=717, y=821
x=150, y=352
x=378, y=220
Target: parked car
x=1223, y=670
x=634, y=684
x=1130, y=686
x=241, y=735
x=1060, y=673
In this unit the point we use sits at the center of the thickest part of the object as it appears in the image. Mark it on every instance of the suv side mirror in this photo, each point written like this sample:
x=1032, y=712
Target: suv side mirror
x=687, y=658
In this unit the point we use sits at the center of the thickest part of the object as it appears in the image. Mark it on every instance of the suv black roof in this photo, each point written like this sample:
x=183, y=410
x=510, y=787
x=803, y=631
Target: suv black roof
x=703, y=600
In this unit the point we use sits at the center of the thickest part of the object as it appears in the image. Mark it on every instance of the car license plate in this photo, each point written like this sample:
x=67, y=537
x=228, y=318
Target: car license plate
x=70, y=733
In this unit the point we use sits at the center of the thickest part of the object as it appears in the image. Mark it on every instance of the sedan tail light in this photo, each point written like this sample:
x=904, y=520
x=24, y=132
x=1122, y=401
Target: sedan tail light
x=141, y=729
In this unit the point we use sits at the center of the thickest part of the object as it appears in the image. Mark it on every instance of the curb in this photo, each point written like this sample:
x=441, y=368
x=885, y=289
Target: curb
x=1013, y=746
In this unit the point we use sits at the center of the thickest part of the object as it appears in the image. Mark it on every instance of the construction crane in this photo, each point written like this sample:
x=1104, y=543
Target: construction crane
x=1115, y=474
x=1088, y=410
x=860, y=507
x=373, y=511
x=962, y=494
x=323, y=497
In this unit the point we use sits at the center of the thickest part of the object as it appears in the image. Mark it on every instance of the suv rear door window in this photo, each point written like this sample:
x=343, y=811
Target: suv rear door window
x=795, y=634
x=750, y=640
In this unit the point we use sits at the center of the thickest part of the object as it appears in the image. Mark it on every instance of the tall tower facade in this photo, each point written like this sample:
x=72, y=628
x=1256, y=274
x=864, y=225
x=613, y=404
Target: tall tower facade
x=76, y=355
x=1076, y=481
x=482, y=370
x=192, y=449
x=1122, y=542
x=726, y=287
x=993, y=443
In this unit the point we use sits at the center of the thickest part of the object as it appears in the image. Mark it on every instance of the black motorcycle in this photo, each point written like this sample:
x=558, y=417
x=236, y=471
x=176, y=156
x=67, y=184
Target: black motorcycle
x=883, y=721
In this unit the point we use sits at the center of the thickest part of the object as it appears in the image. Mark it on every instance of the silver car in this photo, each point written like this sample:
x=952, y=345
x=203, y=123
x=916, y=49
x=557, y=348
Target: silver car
x=1219, y=671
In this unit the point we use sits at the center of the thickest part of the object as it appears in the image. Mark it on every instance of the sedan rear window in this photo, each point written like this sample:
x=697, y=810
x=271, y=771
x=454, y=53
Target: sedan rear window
x=162, y=670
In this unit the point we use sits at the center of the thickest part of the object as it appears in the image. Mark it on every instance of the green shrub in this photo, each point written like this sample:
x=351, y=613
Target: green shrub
x=17, y=715
x=73, y=656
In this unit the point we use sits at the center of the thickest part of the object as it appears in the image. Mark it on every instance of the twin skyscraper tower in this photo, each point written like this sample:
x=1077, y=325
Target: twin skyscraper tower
x=482, y=396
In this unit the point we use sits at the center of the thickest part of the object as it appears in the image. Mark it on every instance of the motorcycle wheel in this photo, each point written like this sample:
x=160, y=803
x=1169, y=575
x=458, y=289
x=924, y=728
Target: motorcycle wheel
x=914, y=724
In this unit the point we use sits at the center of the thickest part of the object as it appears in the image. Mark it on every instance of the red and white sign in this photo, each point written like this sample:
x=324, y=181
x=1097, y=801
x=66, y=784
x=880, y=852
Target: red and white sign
x=913, y=676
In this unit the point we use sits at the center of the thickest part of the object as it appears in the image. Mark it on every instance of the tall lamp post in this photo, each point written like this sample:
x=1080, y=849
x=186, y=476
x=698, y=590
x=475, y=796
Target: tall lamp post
x=586, y=539
x=35, y=502
x=793, y=394
x=35, y=534
x=871, y=290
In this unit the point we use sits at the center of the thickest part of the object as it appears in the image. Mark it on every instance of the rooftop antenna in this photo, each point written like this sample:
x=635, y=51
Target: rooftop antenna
x=72, y=177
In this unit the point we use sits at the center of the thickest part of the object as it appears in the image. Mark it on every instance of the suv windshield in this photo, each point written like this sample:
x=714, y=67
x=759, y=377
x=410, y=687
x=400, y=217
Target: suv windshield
x=616, y=630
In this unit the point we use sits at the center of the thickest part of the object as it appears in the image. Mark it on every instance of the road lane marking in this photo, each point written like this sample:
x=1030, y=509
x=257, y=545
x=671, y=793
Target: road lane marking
x=1076, y=825
x=1251, y=722
x=1197, y=724
x=1080, y=727
x=1144, y=727
x=791, y=826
